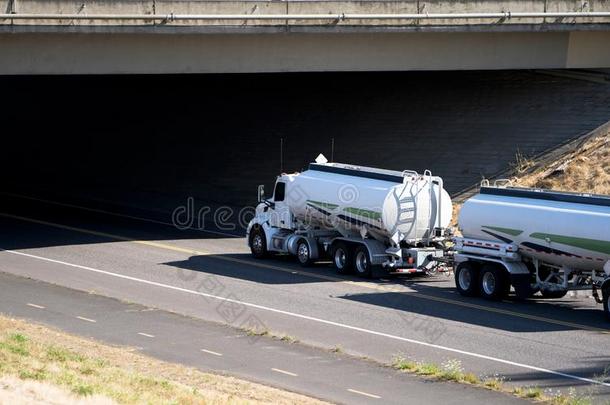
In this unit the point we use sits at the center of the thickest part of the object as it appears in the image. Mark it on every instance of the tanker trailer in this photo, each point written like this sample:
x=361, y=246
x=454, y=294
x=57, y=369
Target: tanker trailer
x=535, y=240
x=357, y=217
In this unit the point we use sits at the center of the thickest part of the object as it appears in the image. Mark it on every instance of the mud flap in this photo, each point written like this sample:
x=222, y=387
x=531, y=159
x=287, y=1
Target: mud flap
x=522, y=285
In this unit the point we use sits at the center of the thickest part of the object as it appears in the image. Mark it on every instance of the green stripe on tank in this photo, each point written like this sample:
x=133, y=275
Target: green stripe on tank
x=594, y=245
x=508, y=231
x=323, y=204
x=364, y=213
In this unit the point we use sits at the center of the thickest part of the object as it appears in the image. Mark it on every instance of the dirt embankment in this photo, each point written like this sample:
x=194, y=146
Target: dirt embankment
x=584, y=170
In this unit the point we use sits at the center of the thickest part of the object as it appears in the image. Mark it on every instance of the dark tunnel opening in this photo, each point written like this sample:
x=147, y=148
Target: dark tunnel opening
x=151, y=142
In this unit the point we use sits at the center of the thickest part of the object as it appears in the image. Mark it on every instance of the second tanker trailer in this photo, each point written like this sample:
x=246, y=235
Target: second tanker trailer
x=356, y=216
x=533, y=240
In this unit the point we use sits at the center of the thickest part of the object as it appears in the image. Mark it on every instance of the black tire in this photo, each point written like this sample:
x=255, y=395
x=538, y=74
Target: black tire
x=362, y=262
x=493, y=282
x=606, y=301
x=553, y=293
x=466, y=279
x=341, y=256
x=304, y=253
x=258, y=243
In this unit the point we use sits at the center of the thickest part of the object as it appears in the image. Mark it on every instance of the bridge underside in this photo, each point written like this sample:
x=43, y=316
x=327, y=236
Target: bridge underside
x=108, y=50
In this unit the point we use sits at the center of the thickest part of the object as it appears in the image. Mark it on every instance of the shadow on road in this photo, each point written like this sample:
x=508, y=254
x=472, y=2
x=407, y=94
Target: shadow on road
x=521, y=317
x=433, y=297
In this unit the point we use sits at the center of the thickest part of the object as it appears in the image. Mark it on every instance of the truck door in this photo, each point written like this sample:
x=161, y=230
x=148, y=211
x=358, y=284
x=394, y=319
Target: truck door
x=281, y=216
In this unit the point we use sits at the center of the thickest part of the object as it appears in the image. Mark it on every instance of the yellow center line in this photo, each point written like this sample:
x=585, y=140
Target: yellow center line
x=364, y=284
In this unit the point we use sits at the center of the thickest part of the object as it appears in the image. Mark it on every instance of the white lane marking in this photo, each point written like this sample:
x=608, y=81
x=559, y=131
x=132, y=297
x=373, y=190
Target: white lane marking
x=116, y=214
x=366, y=394
x=277, y=370
x=319, y=320
x=211, y=352
x=146, y=334
x=82, y=318
x=29, y=304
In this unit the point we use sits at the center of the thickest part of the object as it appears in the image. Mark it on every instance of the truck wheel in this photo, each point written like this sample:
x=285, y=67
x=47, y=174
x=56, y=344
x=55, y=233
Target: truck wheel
x=606, y=300
x=342, y=258
x=553, y=293
x=258, y=243
x=362, y=263
x=493, y=282
x=304, y=253
x=466, y=278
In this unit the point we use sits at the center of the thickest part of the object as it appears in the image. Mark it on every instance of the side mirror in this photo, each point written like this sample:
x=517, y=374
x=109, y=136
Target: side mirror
x=261, y=192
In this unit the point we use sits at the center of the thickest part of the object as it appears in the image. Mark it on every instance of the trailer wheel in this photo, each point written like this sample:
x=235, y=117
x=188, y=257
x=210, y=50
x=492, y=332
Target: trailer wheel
x=606, y=297
x=466, y=278
x=553, y=293
x=362, y=263
x=341, y=255
x=258, y=243
x=304, y=253
x=493, y=283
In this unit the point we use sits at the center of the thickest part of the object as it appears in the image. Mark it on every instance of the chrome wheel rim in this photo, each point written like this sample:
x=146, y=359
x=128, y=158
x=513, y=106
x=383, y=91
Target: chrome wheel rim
x=257, y=243
x=465, y=279
x=340, y=258
x=361, y=262
x=303, y=252
x=489, y=283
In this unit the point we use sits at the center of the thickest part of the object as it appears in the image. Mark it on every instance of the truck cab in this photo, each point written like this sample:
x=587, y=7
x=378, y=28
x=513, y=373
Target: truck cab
x=272, y=221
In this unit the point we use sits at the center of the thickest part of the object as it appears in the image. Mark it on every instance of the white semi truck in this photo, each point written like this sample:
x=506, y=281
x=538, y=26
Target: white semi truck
x=358, y=217
x=535, y=240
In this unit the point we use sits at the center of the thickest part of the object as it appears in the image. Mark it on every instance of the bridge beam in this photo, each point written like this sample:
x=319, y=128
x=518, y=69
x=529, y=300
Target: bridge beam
x=106, y=53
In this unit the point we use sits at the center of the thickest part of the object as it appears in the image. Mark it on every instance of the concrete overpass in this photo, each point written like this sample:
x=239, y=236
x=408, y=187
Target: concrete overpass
x=193, y=36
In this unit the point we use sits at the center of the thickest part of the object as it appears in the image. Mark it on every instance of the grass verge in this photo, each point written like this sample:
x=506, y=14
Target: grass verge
x=42, y=362
x=452, y=371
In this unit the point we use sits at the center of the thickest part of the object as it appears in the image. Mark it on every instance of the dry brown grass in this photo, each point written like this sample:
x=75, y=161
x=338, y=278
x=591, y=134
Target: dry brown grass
x=67, y=367
x=586, y=170
x=16, y=391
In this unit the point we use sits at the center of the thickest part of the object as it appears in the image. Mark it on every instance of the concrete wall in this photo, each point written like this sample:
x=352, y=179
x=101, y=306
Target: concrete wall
x=287, y=52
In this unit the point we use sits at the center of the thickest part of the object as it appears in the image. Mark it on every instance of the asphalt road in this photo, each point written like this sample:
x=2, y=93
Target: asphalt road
x=553, y=344
x=214, y=347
